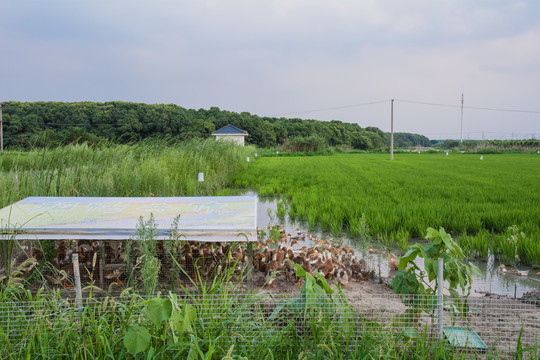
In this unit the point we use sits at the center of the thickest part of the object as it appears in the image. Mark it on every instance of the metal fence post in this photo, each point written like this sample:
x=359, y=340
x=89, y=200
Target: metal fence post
x=440, y=298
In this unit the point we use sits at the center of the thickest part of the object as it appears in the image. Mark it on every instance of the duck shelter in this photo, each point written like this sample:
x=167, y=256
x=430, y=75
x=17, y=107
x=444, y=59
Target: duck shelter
x=96, y=227
x=207, y=219
x=231, y=133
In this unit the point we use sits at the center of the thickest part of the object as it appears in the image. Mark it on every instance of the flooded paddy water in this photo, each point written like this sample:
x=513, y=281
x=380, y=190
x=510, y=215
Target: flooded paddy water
x=492, y=279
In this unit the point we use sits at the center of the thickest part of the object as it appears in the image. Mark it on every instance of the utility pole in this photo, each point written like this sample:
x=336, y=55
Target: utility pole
x=461, y=117
x=1, y=130
x=392, y=130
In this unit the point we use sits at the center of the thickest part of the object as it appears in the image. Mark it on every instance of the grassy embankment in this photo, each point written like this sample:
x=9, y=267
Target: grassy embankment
x=472, y=199
x=159, y=168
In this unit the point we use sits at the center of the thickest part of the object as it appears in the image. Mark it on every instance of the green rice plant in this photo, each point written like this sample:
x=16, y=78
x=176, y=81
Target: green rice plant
x=514, y=238
x=465, y=196
x=281, y=210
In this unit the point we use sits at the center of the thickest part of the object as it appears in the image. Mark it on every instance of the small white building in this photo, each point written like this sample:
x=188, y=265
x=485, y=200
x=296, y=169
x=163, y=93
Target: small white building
x=232, y=133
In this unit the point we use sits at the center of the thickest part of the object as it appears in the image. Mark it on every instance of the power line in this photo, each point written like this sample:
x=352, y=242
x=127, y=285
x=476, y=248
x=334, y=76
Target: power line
x=469, y=107
x=331, y=108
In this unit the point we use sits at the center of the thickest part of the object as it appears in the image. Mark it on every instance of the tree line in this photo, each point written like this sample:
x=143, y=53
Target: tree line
x=488, y=145
x=39, y=124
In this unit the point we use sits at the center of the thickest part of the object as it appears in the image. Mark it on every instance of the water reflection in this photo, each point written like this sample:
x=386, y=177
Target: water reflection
x=491, y=280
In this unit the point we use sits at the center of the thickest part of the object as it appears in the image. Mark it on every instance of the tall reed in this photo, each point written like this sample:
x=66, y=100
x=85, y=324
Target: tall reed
x=156, y=168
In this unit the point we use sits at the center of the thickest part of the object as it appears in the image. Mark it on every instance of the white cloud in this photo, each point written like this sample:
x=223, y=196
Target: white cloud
x=280, y=56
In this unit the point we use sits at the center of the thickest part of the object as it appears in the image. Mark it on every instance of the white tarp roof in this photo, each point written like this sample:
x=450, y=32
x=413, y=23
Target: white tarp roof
x=211, y=218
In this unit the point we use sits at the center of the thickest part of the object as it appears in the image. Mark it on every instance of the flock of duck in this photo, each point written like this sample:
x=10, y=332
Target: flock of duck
x=337, y=263
x=274, y=256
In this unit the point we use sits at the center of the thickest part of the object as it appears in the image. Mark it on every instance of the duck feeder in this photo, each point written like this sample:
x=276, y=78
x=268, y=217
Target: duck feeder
x=464, y=338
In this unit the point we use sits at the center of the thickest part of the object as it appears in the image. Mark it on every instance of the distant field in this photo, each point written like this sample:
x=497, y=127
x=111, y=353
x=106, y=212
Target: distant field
x=478, y=199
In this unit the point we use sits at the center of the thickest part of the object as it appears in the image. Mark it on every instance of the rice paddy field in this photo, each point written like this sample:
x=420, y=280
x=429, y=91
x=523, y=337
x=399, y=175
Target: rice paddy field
x=368, y=195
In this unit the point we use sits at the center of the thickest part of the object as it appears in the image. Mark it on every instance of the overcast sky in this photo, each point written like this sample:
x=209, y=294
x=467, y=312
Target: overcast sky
x=285, y=58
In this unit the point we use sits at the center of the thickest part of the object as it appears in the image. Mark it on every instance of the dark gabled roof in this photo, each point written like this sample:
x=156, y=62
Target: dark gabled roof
x=229, y=130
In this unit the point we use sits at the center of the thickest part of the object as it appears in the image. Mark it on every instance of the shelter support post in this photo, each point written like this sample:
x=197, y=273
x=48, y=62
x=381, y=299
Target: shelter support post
x=249, y=267
x=101, y=263
x=77, y=278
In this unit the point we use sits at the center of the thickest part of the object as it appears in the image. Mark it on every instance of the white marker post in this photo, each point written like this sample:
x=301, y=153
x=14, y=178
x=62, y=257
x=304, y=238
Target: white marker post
x=201, y=177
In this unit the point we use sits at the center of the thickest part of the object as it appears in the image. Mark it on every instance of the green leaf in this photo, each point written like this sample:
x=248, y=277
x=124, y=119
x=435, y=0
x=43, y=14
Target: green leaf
x=430, y=268
x=300, y=272
x=137, y=339
x=475, y=270
x=411, y=333
x=431, y=233
x=431, y=251
x=150, y=354
x=308, y=284
x=158, y=310
x=297, y=303
x=182, y=321
x=324, y=284
x=405, y=282
x=409, y=256
x=194, y=350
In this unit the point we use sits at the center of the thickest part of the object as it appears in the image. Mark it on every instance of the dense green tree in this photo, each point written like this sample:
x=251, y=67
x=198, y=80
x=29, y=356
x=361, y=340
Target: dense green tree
x=361, y=141
x=55, y=123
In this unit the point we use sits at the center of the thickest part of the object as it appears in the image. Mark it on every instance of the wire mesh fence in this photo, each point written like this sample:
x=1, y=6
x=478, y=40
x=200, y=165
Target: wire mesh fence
x=494, y=326
x=481, y=325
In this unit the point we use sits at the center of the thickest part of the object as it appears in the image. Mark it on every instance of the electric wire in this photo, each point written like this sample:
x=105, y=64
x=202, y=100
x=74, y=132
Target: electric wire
x=469, y=107
x=331, y=108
